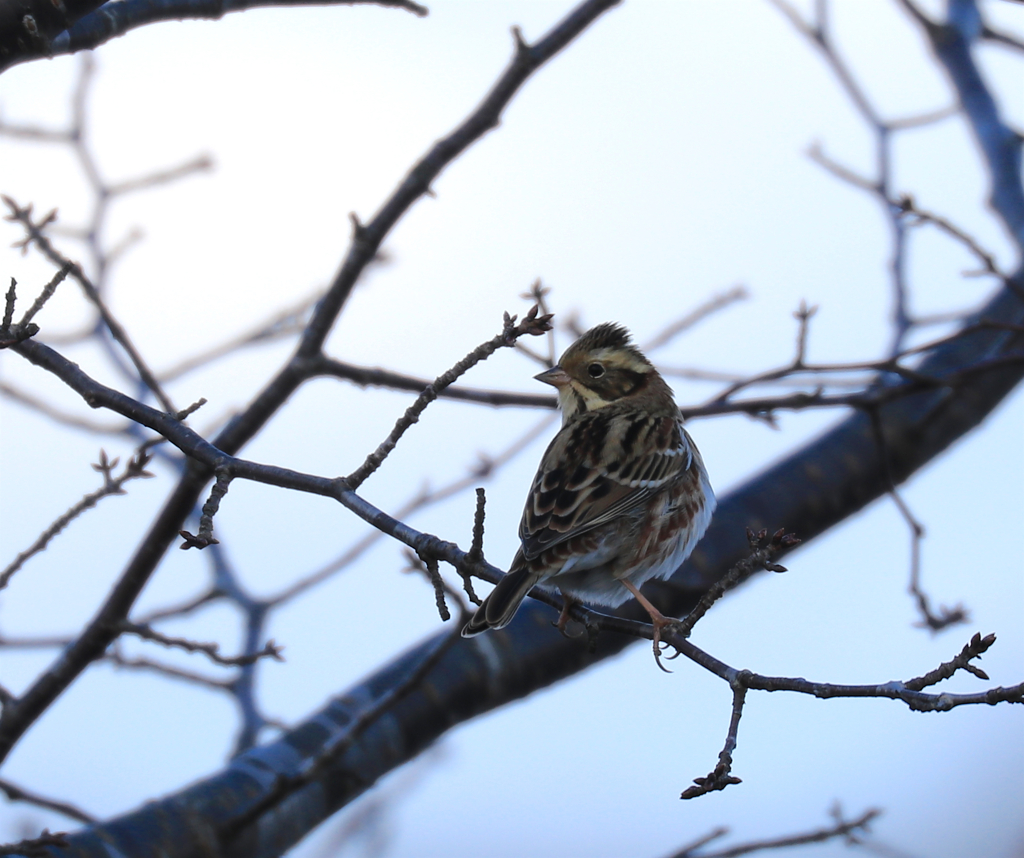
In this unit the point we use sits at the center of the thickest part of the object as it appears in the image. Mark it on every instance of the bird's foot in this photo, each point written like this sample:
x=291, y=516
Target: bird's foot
x=658, y=620
x=663, y=625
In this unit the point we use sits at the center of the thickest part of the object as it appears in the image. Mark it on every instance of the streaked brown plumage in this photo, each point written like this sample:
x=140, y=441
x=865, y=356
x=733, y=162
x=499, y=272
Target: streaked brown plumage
x=621, y=495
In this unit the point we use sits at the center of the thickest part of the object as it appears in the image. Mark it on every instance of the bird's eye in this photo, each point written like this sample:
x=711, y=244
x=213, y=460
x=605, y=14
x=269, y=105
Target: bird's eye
x=595, y=370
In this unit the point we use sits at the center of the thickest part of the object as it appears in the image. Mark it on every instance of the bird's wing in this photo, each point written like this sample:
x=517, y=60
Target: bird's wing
x=598, y=468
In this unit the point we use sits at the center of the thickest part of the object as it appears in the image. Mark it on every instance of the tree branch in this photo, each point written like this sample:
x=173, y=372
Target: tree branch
x=80, y=25
x=364, y=247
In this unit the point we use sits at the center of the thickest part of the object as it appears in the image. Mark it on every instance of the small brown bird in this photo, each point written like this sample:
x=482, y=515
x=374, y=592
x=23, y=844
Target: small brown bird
x=621, y=495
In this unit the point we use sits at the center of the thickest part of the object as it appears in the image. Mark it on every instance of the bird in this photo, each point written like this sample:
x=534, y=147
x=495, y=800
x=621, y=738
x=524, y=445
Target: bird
x=621, y=495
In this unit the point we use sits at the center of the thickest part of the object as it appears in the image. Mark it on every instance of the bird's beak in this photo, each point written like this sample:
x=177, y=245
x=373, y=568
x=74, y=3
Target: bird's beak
x=556, y=377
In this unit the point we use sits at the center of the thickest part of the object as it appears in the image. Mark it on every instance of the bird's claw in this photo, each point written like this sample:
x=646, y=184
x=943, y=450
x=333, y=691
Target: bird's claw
x=659, y=644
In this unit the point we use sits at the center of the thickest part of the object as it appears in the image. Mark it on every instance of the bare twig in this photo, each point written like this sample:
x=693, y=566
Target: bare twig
x=34, y=233
x=696, y=316
x=376, y=377
x=44, y=296
x=689, y=851
x=847, y=175
x=946, y=616
x=428, y=567
x=476, y=551
x=997, y=37
x=17, y=793
x=720, y=777
x=44, y=408
x=282, y=323
x=930, y=117
x=121, y=661
x=538, y=294
x=762, y=552
x=199, y=164
x=909, y=208
x=973, y=649
x=210, y=650
x=11, y=334
x=841, y=828
x=135, y=468
x=205, y=536
x=531, y=325
x=803, y=316
x=184, y=608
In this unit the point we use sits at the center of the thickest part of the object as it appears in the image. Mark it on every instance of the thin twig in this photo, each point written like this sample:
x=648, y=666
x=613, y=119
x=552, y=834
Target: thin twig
x=841, y=828
x=135, y=468
x=476, y=551
x=428, y=566
x=531, y=325
x=48, y=411
x=973, y=649
x=721, y=775
x=376, y=377
x=803, y=315
x=696, y=316
x=198, y=164
x=115, y=657
x=17, y=793
x=204, y=538
x=946, y=616
x=210, y=650
x=997, y=37
x=44, y=296
x=35, y=234
x=908, y=207
x=763, y=551
x=288, y=321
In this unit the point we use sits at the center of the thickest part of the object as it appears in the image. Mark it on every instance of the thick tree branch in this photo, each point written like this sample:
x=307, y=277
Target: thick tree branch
x=37, y=29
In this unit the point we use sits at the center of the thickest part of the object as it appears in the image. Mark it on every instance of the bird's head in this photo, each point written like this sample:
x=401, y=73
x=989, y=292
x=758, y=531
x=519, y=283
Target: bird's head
x=602, y=367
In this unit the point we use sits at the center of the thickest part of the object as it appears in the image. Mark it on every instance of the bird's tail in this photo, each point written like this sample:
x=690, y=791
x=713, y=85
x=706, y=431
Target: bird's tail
x=501, y=605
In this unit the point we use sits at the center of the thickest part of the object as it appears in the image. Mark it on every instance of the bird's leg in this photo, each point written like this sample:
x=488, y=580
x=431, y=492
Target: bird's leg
x=658, y=619
x=563, y=618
